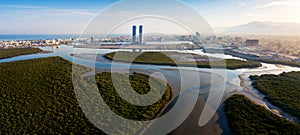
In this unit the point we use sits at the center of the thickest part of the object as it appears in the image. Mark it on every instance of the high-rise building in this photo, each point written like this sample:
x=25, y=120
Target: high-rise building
x=92, y=39
x=238, y=40
x=252, y=42
x=214, y=38
x=182, y=38
x=141, y=34
x=198, y=35
x=190, y=37
x=133, y=34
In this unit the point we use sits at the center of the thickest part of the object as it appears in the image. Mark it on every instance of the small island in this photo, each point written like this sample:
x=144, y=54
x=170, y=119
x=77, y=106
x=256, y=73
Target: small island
x=245, y=117
x=12, y=52
x=179, y=59
x=281, y=90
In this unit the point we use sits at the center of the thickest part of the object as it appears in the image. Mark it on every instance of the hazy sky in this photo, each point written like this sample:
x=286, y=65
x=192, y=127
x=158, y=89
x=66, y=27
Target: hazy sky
x=70, y=17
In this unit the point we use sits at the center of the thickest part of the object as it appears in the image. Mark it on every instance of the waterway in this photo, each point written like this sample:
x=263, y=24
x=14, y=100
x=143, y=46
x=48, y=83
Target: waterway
x=215, y=85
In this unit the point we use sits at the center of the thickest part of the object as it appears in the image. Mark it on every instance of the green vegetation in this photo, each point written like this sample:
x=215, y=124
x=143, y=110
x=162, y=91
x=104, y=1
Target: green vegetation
x=8, y=53
x=247, y=118
x=37, y=97
x=158, y=58
x=139, y=83
x=281, y=90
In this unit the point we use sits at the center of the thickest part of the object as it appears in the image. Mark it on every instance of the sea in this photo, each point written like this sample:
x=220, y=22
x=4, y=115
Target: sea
x=36, y=37
x=49, y=36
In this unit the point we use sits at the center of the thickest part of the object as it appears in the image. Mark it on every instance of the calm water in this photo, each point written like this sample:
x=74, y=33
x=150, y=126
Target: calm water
x=233, y=80
x=232, y=76
x=36, y=37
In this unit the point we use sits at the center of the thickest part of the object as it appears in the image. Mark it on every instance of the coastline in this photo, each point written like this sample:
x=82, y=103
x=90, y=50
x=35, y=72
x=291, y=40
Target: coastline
x=204, y=71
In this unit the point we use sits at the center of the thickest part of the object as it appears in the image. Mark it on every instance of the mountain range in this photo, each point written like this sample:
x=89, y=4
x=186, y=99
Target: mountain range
x=261, y=28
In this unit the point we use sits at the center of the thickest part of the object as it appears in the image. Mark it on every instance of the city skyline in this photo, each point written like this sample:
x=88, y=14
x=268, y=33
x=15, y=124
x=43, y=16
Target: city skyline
x=57, y=17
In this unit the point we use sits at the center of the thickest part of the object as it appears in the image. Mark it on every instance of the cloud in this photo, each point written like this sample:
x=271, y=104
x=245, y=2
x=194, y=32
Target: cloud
x=279, y=3
x=72, y=11
x=28, y=19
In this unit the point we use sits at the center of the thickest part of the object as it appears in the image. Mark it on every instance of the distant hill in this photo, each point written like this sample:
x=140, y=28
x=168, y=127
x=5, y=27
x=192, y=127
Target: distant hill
x=262, y=28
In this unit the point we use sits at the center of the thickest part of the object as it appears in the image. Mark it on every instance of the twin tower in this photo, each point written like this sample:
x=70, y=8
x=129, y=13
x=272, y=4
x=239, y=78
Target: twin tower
x=134, y=38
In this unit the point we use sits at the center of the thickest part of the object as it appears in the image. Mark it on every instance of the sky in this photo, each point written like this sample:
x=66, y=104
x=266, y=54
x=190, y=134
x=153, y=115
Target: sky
x=72, y=16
